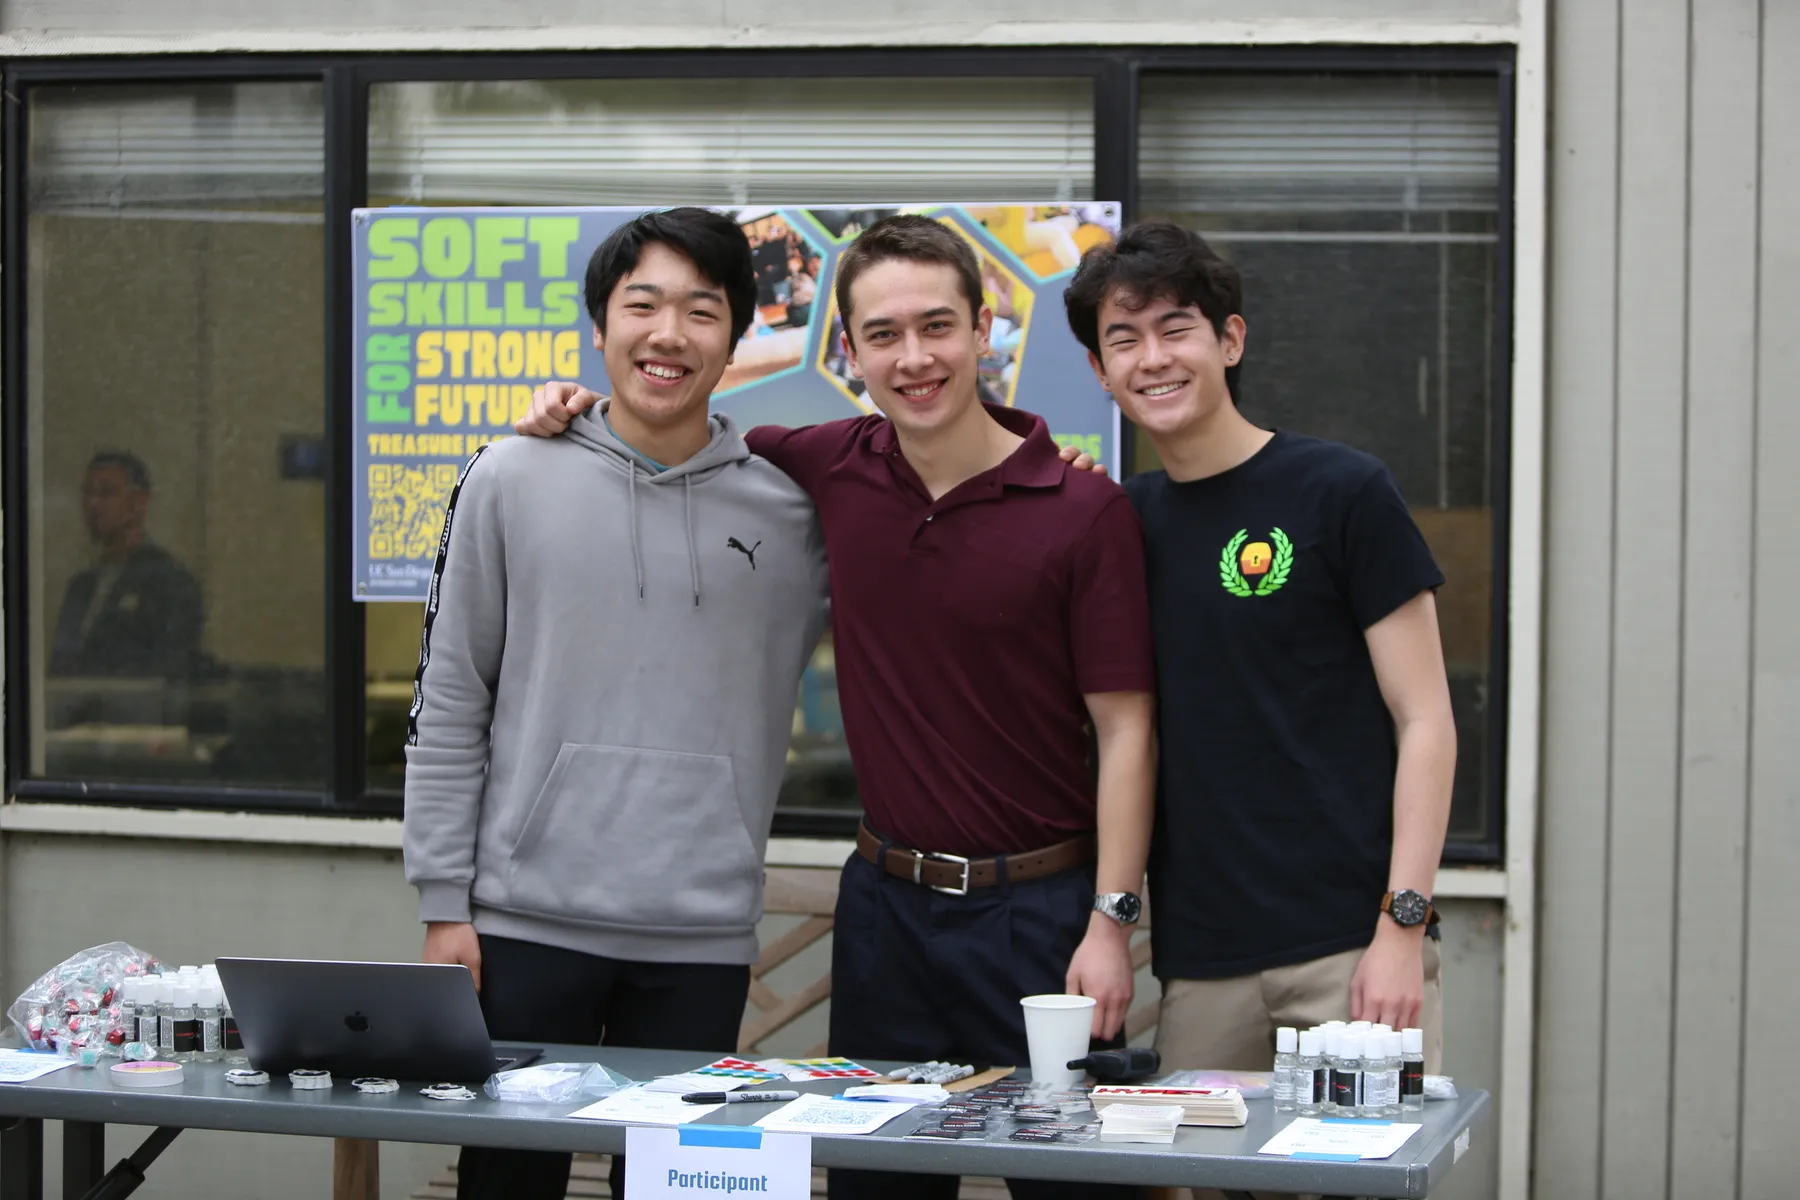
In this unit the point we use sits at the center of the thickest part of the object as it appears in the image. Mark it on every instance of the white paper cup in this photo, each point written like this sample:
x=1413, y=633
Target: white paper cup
x=1056, y=1032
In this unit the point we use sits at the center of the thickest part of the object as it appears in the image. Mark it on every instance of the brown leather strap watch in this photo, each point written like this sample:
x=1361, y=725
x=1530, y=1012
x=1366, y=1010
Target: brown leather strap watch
x=1408, y=908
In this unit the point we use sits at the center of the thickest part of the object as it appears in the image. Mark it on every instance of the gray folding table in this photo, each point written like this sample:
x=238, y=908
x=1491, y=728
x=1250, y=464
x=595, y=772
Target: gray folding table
x=86, y=1101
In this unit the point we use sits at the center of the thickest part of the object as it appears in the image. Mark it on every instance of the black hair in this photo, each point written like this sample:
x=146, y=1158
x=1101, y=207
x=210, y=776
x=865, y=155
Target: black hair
x=713, y=242
x=136, y=473
x=1154, y=260
x=914, y=238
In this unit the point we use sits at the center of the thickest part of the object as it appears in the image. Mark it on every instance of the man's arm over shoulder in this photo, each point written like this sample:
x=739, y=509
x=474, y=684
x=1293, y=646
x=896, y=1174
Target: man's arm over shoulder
x=807, y=453
x=453, y=699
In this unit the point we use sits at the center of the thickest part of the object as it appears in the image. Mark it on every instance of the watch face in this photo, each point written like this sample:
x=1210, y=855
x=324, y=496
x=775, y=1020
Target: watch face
x=1122, y=907
x=1409, y=907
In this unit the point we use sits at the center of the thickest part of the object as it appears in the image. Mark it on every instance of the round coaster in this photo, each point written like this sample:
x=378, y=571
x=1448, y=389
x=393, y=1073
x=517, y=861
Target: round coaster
x=374, y=1086
x=246, y=1078
x=310, y=1081
x=152, y=1074
x=446, y=1091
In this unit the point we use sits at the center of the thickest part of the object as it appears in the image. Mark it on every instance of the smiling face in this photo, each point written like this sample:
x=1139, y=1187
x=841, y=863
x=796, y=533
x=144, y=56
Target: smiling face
x=667, y=339
x=1163, y=363
x=915, y=343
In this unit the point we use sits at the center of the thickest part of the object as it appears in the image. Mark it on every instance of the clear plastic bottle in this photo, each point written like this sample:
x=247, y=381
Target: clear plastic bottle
x=181, y=1024
x=1381, y=1075
x=1312, y=1081
x=1346, y=1074
x=128, y=1002
x=206, y=1009
x=1287, y=1044
x=1412, y=1070
x=159, y=1013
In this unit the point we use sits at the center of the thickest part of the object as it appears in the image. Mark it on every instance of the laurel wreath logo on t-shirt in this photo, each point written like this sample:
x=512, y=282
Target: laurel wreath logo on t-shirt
x=1239, y=561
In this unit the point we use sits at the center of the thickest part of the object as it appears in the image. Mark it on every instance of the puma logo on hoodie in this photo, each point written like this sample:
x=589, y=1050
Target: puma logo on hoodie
x=748, y=552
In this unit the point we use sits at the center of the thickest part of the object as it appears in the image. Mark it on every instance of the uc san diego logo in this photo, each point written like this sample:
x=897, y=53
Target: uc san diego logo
x=1267, y=565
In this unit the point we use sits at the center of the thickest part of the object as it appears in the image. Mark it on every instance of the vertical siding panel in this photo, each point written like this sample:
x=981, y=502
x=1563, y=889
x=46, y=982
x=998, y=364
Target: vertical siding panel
x=1583, y=329
x=1721, y=398
x=1647, y=609
x=1771, y=1054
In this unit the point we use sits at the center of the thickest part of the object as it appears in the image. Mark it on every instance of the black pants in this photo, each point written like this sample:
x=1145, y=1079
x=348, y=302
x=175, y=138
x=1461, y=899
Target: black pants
x=920, y=975
x=533, y=993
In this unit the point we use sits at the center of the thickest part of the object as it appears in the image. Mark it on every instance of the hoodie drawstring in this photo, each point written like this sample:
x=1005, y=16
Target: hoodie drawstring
x=687, y=492
x=637, y=552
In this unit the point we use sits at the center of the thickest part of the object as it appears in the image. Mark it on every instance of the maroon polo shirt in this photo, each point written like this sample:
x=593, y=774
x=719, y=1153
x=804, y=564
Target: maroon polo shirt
x=967, y=630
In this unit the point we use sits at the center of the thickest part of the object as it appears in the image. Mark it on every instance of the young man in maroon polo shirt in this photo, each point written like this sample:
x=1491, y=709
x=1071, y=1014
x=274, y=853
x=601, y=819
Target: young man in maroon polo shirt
x=989, y=605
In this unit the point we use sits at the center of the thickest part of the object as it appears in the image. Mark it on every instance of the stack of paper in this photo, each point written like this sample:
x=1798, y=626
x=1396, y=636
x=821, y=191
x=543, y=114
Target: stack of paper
x=1139, y=1122
x=1198, y=1106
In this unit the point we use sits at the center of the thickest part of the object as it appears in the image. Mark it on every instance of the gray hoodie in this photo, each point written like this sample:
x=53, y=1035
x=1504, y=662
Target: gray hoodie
x=606, y=690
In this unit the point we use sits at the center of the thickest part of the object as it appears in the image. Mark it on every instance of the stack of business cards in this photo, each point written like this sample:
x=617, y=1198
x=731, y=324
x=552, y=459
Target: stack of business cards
x=1139, y=1122
x=1198, y=1106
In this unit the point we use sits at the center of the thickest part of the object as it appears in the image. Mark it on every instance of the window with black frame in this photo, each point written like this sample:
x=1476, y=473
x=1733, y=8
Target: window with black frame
x=174, y=515
x=711, y=141
x=1363, y=211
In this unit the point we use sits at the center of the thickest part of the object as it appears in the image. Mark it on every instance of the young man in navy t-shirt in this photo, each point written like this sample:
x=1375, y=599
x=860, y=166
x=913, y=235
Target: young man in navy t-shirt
x=1308, y=745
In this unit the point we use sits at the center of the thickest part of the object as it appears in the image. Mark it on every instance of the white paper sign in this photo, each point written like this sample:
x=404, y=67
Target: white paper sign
x=640, y=1106
x=1339, y=1140
x=814, y=1114
x=23, y=1066
x=711, y=1162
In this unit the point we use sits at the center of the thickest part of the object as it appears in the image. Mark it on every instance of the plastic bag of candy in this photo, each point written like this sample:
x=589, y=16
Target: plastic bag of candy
x=73, y=1008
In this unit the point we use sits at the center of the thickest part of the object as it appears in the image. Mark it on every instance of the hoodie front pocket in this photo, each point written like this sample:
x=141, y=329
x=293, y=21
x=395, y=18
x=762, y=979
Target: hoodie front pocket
x=648, y=840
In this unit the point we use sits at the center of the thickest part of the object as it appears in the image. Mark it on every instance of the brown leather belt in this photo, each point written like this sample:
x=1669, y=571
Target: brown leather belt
x=954, y=874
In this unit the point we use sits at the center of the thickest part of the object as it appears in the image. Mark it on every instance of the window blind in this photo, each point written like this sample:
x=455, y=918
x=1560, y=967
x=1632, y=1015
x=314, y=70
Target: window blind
x=1249, y=143
x=732, y=141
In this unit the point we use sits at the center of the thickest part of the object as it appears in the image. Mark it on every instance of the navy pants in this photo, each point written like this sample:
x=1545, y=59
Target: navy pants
x=538, y=994
x=919, y=975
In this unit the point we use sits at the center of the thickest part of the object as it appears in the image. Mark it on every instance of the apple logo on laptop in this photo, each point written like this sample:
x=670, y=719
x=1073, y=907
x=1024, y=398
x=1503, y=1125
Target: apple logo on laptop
x=356, y=1023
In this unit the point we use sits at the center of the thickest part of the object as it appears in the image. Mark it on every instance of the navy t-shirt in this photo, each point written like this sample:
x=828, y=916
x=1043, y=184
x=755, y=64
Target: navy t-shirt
x=1274, y=816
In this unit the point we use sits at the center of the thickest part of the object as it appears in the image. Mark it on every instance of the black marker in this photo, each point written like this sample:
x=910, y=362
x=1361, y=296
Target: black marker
x=738, y=1097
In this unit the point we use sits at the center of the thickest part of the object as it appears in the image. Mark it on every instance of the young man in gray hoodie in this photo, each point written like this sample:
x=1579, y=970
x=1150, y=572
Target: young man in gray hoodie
x=605, y=692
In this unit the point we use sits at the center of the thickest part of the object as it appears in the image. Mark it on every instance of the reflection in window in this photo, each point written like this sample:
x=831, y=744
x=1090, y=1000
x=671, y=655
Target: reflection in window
x=1362, y=211
x=720, y=141
x=175, y=384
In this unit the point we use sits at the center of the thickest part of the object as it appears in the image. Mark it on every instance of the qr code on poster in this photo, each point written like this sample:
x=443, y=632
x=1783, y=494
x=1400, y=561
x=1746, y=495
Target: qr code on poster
x=406, y=508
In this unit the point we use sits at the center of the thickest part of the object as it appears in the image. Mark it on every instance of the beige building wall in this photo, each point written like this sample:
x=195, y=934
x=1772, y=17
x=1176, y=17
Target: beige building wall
x=1670, y=858
x=99, y=26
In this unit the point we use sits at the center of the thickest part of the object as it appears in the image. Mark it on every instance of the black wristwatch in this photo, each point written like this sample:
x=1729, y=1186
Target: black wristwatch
x=1123, y=907
x=1408, y=908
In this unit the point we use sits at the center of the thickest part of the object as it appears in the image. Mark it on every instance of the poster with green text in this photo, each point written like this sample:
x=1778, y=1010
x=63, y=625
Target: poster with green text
x=461, y=312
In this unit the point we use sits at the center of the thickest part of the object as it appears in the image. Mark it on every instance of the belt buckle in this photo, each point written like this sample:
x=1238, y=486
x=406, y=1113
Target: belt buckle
x=919, y=869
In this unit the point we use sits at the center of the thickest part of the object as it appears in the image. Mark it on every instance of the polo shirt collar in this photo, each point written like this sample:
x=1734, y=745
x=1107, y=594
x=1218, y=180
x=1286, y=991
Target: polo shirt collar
x=1035, y=464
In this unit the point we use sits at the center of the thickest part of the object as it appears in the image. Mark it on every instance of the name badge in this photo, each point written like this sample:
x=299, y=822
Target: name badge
x=716, y=1161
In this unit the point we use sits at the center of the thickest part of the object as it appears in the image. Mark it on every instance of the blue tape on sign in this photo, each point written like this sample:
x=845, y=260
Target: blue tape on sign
x=1364, y=1121
x=729, y=1137
x=1312, y=1156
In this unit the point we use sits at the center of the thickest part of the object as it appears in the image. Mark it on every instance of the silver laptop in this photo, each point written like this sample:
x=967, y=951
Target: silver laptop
x=411, y=1021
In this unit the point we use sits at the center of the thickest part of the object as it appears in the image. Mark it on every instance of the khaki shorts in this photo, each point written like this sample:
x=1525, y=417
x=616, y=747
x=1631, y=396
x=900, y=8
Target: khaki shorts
x=1229, y=1024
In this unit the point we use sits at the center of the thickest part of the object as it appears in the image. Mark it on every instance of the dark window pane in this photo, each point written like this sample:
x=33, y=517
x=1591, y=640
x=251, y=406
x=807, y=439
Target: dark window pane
x=1362, y=213
x=175, y=525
